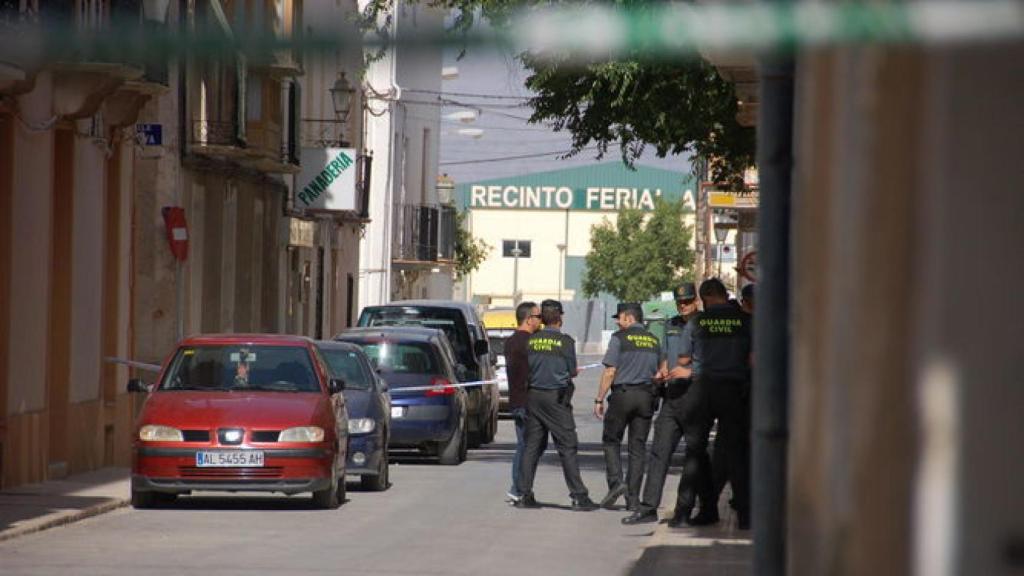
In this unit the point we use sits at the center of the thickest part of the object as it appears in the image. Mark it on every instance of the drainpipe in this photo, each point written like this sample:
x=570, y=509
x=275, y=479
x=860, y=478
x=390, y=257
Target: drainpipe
x=771, y=330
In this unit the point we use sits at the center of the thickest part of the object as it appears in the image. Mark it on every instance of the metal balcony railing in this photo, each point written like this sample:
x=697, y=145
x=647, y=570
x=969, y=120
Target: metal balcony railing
x=423, y=233
x=215, y=133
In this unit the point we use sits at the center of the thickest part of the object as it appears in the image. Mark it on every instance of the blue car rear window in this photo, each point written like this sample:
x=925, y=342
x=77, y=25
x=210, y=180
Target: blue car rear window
x=344, y=364
x=402, y=357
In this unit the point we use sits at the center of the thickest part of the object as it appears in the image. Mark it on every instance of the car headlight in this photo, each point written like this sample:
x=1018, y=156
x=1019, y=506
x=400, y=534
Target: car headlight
x=361, y=425
x=302, y=434
x=157, y=433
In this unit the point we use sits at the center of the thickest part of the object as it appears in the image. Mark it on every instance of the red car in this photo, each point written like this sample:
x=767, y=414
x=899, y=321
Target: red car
x=253, y=413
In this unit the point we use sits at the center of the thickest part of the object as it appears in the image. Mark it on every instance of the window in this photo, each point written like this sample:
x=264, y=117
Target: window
x=231, y=368
x=345, y=364
x=508, y=246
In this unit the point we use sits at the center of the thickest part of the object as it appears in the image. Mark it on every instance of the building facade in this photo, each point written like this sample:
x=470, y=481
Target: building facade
x=408, y=245
x=538, y=225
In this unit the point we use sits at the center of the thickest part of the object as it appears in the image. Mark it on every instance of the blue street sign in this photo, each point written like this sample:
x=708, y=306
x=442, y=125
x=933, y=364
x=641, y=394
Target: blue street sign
x=151, y=134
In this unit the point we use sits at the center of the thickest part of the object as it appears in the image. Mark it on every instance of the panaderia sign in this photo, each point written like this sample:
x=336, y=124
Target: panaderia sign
x=327, y=180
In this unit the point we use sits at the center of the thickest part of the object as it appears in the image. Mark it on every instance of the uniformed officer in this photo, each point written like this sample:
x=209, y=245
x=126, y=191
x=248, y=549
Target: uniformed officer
x=551, y=356
x=668, y=427
x=632, y=363
x=720, y=390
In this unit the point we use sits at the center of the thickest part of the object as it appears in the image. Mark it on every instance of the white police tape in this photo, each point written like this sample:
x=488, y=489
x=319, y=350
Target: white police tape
x=471, y=384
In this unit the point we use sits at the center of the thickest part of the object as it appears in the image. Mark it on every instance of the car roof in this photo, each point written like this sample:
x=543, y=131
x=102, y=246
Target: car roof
x=337, y=345
x=465, y=307
x=259, y=339
x=416, y=333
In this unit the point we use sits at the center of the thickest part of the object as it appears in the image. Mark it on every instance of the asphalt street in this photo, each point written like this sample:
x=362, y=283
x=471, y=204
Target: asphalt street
x=433, y=520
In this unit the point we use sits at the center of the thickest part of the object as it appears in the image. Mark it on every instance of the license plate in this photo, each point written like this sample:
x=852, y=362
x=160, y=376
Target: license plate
x=397, y=411
x=235, y=459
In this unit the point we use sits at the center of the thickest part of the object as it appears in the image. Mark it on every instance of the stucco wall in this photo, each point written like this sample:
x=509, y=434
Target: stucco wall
x=32, y=201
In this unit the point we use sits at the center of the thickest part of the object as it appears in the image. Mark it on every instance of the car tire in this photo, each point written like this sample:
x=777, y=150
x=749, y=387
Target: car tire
x=331, y=497
x=378, y=482
x=142, y=499
x=454, y=452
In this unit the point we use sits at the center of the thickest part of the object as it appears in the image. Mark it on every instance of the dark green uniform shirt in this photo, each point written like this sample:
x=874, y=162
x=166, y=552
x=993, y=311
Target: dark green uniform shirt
x=722, y=343
x=552, y=359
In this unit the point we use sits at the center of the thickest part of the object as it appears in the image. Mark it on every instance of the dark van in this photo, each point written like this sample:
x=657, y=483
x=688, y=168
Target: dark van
x=465, y=331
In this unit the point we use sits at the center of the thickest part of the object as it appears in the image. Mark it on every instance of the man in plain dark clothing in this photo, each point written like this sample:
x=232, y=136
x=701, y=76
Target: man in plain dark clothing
x=518, y=370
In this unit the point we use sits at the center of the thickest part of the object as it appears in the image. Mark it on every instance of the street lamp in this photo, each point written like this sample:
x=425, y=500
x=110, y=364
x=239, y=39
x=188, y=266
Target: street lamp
x=516, y=252
x=561, y=264
x=721, y=233
x=341, y=97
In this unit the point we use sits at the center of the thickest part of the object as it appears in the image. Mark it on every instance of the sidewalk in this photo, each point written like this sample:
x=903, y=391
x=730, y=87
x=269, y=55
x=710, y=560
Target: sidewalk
x=35, y=507
x=720, y=550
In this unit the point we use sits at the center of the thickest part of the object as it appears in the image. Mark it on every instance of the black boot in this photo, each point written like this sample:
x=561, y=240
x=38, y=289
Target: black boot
x=527, y=501
x=706, y=517
x=583, y=504
x=642, y=516
x=613, y=496
x=680, y=517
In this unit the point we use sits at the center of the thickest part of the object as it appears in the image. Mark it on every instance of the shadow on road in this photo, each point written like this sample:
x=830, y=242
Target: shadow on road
x=696, y=558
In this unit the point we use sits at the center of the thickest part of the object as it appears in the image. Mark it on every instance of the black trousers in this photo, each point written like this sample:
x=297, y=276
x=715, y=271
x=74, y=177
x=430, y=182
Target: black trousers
x=629, y=408
x=549, y=411
x=669, y=426
x=727, y=401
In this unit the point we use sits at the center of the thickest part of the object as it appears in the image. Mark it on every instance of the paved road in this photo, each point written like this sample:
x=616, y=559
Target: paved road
x=434, y=520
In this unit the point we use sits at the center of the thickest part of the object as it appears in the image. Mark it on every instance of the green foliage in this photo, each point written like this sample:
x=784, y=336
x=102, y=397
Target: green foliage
x=470, y=252
x=640, y=255
x=675, y=106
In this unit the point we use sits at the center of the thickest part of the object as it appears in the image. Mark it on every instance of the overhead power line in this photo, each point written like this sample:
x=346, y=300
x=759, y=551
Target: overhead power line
x=468, y=94
x=520, y=157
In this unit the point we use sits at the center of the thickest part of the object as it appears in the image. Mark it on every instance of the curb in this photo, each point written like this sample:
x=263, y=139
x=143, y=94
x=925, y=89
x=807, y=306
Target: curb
x=65, y=519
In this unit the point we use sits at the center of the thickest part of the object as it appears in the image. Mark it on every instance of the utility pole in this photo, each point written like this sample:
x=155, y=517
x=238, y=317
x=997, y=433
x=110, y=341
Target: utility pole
x=516, y=252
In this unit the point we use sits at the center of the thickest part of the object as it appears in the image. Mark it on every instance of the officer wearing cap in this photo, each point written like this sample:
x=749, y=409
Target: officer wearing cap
x=633, y=362
x=551, y=356
x=720, y=390
x=668, y=427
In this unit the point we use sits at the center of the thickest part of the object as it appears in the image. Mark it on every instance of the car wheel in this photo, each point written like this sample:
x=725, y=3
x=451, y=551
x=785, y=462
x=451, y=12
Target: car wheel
x=454, y=452
x=331, y=497
x=491, y=430
x=377, y=482
x=142, y=498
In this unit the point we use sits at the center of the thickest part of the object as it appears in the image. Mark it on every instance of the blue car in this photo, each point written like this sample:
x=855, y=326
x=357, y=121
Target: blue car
x=369, y=412
x=432, y=417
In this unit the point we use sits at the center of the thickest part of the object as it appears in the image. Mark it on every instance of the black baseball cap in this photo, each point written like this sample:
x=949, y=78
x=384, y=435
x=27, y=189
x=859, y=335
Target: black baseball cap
x=686, y=291
x=554, y=304
x=633, y=308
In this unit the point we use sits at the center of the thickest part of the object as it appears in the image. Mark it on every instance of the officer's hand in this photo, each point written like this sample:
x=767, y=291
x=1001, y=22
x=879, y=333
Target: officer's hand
x=680, y=372
x=661, y=375
x=599, y=410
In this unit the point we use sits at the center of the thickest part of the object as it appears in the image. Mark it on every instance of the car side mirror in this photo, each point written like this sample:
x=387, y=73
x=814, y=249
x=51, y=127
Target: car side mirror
x=383, y=385
x=481, y=347
x=336, y=385
x=137, y=385
x=460, y=372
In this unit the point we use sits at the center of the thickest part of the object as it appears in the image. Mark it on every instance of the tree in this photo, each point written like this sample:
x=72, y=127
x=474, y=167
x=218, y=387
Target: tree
x=470, y=252
x=638, y=256
x=638, y=100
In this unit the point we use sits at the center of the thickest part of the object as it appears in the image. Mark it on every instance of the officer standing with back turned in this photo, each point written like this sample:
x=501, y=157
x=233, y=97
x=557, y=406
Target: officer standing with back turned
x=720, y=391
x=633, y=362
x=551, y=356
x=675, y=411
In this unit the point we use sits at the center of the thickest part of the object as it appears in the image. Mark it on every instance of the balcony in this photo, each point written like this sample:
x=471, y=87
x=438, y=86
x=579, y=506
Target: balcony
x=267, y=151
x=423, y=234
x=216, y=139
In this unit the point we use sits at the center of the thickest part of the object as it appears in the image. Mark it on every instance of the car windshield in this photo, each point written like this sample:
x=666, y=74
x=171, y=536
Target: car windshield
x=241, y=368
x=446, y=319
x=402, y=357
x=497, y=344
x=345, y=364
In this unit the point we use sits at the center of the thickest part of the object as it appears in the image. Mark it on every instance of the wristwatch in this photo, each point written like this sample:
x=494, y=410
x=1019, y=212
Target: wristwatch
x=598, y=400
